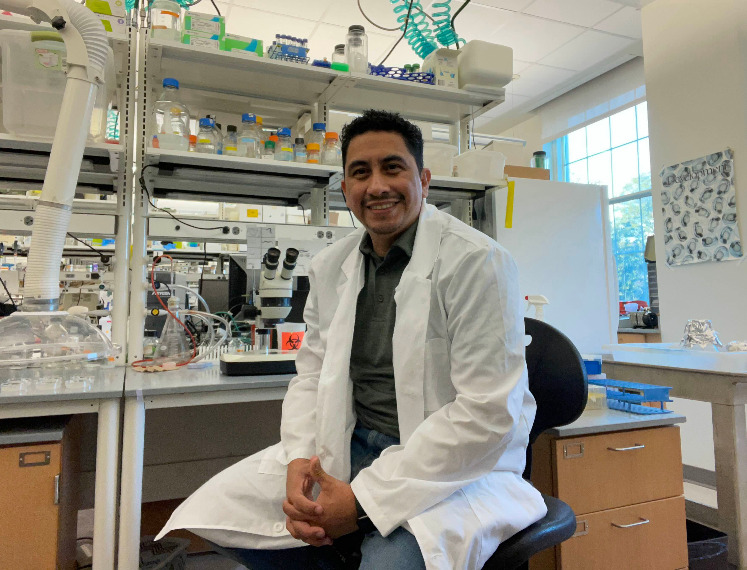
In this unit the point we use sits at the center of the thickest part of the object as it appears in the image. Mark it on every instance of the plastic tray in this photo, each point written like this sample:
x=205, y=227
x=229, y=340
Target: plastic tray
x=402, y=75
x=635, y=408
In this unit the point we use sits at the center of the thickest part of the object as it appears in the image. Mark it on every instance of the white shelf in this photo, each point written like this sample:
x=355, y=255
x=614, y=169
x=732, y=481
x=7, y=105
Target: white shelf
x=25, y=160
x=181, y=174
x=282, y=90
x=28, y=203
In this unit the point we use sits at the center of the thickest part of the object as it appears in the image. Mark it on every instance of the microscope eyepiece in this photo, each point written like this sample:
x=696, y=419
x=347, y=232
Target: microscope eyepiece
x=289, y=263
x=272, y=258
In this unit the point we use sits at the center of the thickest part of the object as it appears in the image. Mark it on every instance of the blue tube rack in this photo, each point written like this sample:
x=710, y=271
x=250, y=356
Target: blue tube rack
x=630, y=396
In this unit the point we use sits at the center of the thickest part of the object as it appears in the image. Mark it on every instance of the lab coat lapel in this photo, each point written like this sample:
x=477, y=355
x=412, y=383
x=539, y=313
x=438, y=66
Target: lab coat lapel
x=413, y=297
x=335, y=420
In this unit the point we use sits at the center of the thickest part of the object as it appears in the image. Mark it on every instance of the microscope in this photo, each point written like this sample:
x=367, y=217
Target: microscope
x=272, y=304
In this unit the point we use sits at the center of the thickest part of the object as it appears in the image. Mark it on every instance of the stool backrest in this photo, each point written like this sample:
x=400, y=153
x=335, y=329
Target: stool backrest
x=557, y=380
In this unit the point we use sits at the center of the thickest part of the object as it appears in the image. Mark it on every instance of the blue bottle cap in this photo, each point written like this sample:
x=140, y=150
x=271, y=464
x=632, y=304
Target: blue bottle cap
x=206, y=122
x=284, y=132
x=319, y=126
x=249, y=118
x=169, y=82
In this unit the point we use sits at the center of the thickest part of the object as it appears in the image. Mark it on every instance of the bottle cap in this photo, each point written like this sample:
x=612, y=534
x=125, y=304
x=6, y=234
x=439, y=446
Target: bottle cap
x=284, y=132
x=331, y=136
x=274, y=138
x=206, y=122
x=340, y=48
x=269, y=144
x=259, y=120
x=299, y=141
x=319, y=126
x=356, y=28
x=148, y=332
x=312, y=146
x=249, y=118
x=192, y=139
x=539, y=153
x=218, y=126
x=231, y=128
x=169, y=82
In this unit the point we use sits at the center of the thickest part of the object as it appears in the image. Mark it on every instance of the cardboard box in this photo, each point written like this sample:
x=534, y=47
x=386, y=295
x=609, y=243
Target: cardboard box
x=107, y=7
x=113, y=24
x=205, y=24
x=198, y=41
x=444, y=64
x=233, y=42
x=526, y=172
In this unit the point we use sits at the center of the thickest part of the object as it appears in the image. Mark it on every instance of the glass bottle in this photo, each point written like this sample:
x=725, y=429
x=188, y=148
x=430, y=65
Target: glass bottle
x=165, y=20
x=338, y=56
x=356, y=49
x=218, y=132
x=262, y=132
x=206, y=142
x=150, y=342
x=171, y=119
x=284, y=146
x=318, y=130
x=250, y=138
x=231, y=141
x=332, y=151
x=539, y=160
x=313, y=153
x=299, y=151
x=269, y=153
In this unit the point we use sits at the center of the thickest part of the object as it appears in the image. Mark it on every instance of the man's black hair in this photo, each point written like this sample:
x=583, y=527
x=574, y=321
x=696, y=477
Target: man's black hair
x=384, y=121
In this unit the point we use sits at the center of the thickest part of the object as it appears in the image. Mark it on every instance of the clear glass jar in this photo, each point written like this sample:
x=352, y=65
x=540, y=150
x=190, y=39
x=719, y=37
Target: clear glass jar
x=171, y=119
x=231, y=141
x=539, y=160
x=166, y=20
x=338, y=56
x=250, y=139
x=356, y=49
x=332, y=151
x=284, y=145
x=206, y=142
x=299, y=150
x=313, y=153
x=150, y=343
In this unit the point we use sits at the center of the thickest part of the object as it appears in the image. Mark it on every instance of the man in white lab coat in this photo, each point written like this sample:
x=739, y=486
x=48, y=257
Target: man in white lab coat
x=410, y=412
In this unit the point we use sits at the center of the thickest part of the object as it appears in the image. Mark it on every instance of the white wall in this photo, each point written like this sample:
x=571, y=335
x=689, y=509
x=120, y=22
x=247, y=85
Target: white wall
x=529, y=130
x=695, y=59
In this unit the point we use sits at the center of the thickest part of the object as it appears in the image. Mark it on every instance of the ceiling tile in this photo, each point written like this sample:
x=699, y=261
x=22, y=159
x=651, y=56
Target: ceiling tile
x=513, y=5
x=480, y=22
x=310, y=10
x=347, y=13
x=520, y=66
x=626, y=22
x=579, y=12
x=586, y=50
x=264, y=25
x=533, y=38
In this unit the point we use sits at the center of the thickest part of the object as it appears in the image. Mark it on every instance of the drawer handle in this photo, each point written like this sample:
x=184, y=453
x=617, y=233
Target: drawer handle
x=639, y=523
x=636, y=446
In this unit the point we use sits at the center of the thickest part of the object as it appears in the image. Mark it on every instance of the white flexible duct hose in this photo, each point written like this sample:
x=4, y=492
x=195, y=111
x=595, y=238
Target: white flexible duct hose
x=52, y=216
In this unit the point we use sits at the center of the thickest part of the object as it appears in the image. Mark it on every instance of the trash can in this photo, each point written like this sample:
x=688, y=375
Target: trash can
x=706, y=548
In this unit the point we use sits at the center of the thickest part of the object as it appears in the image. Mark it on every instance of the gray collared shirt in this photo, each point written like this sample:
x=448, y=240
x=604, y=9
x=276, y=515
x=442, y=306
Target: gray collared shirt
x=371, y=367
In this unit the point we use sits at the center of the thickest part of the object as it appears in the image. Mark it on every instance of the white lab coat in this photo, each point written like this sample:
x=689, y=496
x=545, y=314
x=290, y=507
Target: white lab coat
x=464, y=406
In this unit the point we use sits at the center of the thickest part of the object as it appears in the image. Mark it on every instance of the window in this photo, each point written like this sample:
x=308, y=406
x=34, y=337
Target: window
x=614, y=152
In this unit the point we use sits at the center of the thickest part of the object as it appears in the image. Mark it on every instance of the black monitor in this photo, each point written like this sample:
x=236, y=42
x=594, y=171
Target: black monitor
x=237, y=283
x=215, y=293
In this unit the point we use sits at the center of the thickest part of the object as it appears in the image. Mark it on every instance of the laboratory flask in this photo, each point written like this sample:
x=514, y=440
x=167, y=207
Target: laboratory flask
x=171, y=118
x=173, y=345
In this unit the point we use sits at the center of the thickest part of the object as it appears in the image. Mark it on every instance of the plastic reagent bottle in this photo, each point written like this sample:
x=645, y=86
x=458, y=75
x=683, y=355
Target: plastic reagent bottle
x=332, y=151
x=171, y=118
x=231, y=141
x=206, y=142
x=312, y=153
x=250, y=138
x=356, y=49
x=284, y=146
x=166, y=20
x=299, y=151
x=269, y=153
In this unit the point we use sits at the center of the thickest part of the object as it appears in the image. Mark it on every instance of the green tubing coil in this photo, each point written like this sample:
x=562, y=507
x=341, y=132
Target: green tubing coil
x=445, y=34
x=422, y=39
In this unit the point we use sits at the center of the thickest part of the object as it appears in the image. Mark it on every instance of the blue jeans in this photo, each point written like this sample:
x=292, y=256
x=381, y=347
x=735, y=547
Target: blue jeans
x=398, y=550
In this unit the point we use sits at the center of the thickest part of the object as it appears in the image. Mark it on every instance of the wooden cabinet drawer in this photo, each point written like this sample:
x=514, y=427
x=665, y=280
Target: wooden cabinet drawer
x=611, y=470
x=658, y=540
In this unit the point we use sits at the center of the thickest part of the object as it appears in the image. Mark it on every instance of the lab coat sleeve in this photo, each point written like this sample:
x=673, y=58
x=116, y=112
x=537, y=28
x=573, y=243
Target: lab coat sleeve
x=465, y=439
x=298, y=423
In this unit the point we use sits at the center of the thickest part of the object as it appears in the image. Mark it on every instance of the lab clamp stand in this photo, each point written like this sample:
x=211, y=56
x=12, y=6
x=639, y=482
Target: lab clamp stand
x=272, y=306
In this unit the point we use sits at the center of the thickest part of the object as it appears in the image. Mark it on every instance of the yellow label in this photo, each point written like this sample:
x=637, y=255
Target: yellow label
x=230, y=148
x=252, y=213
x=178, y=245
x=204, y=141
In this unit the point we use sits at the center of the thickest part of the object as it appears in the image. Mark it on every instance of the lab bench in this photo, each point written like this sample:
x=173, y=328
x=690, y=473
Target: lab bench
x=621, y=474
x=71, y=395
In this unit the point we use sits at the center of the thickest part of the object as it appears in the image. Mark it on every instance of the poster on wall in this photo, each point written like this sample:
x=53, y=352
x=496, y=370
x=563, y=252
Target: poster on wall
x=699, y=207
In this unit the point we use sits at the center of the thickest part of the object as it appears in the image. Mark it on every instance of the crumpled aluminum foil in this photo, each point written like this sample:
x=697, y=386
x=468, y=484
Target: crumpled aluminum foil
x=737, y=346
x=699, y=335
